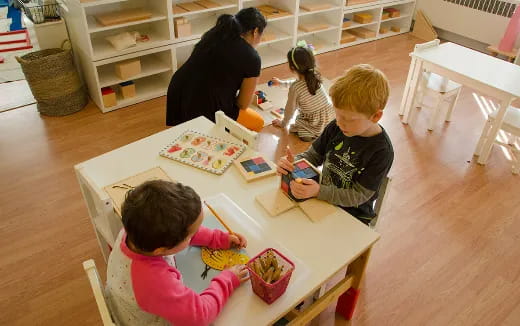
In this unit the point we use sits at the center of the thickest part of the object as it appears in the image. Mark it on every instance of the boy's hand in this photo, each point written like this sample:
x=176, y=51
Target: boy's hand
x=308, y=188
x=276, y=81
x=241, y=272
x=277, y=123
x=285, y=163
x=237, y=241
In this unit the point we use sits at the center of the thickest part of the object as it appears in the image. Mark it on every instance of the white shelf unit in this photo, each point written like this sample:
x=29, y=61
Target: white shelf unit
x=163, y=54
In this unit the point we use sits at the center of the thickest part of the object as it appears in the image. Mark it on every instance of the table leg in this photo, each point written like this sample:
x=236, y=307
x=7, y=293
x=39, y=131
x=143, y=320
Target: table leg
x=410, y=98
x=347, y=301
x=407, y=85
x=495, y=127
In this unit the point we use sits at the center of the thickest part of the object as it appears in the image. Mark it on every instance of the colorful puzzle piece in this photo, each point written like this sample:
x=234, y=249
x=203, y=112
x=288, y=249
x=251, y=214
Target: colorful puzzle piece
x=302, y=170
x=256, y=167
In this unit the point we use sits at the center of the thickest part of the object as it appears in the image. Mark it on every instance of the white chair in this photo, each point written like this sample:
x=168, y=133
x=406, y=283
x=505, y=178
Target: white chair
x=99, y=293
x=439, y=88
x=383, y=191
x=510, y=125
x=244, y=135
x=105, y=221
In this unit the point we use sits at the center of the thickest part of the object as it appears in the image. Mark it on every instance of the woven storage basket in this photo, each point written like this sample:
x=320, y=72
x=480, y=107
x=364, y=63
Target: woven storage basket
x=54, y=81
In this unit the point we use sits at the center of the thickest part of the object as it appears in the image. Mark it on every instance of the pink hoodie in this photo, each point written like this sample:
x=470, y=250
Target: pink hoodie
x=157, y=295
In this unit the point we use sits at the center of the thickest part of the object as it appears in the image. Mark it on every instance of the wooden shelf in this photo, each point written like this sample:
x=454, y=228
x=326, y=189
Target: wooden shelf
x=306, y=13
x=150, y=65
x=359, y=41
x=280, y=36
x=279, y=18
x=395, y=18
x=99, y=2
x=330, y=28
x=355, y=25
x=94, y=26
x=103, y=49
x=146, y=89
x=224, y=5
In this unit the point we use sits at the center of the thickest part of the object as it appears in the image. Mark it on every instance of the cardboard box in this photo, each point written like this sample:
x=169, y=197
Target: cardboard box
x=392, y=12
x=129, y=68
x=346, y=22
x=363, y=18
x=128, y=89
x=383, y=30
x=182, y=27
x=109, y=97
x=385, y=15
x=396, y=29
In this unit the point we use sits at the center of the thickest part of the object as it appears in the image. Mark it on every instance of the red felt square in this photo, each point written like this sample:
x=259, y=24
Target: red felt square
x=285, y=187
x=302, y=165
x=258, y=160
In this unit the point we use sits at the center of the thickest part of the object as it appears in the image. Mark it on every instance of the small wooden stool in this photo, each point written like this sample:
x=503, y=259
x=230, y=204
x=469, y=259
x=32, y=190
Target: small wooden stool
x=511, y=55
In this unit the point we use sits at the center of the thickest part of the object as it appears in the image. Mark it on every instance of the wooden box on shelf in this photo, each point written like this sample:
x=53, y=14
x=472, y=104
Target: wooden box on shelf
x=393, y=12
x=109, y=97
x=208, y=4
x=129, y=68
x=182, y=27
x=363, y=32
x=312, y=27
x=128, y=89
x=347, y=37
x=385, y=15
x=123, y=16
x=395, y=28
x=178, y=10
x=315, y=6
x=383, y=30
x=363, y=18
x=271, y=12
x=190, y=6
x=346, y=22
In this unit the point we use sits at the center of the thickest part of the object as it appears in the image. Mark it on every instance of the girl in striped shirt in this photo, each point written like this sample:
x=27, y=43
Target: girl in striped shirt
x=307, y=93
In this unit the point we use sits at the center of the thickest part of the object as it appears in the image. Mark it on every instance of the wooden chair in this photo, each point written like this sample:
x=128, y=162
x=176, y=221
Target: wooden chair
x=238, y=131
x=383, y=190
x=99, y=293
x=439, y=88
x=510, y=125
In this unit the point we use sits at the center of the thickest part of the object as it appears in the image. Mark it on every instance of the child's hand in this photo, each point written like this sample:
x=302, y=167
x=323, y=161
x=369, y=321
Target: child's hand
x=277, y=123
x=285, y=163
x=308, y=188
x=237, y=241
x=275, y=81
x=241, y=272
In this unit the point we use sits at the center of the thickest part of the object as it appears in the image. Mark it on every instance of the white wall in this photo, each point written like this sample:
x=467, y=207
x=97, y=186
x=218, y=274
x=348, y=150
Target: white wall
x=477, y=25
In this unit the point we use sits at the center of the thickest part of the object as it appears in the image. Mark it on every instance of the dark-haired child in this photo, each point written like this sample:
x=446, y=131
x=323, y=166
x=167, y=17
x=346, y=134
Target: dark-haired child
x=306, y=94
x=160, y=219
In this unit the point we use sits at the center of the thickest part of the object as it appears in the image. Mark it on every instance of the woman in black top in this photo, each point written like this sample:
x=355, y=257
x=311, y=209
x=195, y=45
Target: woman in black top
x=223, y=62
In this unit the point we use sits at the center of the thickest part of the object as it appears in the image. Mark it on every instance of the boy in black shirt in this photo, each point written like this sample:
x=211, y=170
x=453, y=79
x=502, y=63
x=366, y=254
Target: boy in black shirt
x=354, y=149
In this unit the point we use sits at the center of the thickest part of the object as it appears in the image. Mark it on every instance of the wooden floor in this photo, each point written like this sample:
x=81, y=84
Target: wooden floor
x=450, y=247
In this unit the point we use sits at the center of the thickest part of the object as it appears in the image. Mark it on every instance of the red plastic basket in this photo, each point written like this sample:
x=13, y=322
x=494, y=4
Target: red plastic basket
x=270, y=292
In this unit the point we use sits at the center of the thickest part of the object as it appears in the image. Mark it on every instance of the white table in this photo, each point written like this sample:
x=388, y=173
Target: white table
x=486, y=74
x=319, y=250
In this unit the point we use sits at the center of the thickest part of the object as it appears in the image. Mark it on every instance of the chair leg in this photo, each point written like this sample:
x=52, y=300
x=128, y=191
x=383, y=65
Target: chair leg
x=435, y=114
x=483, y=137
x=452, y=105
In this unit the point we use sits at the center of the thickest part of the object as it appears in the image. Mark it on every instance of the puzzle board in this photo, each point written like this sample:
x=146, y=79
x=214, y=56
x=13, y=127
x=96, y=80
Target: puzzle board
x=117, y=191
x=204, y=152
x=303, y=169
x=256, y=167
x=189, y=261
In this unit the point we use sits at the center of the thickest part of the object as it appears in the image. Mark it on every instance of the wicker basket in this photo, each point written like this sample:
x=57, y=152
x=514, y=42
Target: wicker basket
x=54, y=81
x=270, y=292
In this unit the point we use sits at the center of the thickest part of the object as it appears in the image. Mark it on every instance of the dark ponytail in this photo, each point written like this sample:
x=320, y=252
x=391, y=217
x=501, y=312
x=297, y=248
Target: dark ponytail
x=229, y=27
x=302, y=61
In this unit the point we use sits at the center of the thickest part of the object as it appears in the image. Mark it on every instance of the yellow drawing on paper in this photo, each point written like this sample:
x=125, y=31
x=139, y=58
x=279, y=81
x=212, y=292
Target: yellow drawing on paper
x=220, y=259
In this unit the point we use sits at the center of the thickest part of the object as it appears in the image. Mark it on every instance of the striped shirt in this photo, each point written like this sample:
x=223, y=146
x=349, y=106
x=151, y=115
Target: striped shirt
x=315, y=111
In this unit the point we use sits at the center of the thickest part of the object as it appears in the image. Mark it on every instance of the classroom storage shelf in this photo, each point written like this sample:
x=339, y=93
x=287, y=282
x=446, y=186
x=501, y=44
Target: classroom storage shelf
x=164, y=53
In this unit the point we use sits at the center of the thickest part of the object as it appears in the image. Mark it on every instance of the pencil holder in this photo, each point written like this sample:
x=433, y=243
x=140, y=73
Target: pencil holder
x=270, y=291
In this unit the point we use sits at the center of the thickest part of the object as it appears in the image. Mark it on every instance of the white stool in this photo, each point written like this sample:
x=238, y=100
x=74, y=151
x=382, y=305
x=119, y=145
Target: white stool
x=441, y=90
x=510, y=125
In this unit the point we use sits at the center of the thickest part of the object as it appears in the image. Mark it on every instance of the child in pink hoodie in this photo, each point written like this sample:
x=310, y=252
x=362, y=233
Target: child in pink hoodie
x=160, y=219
